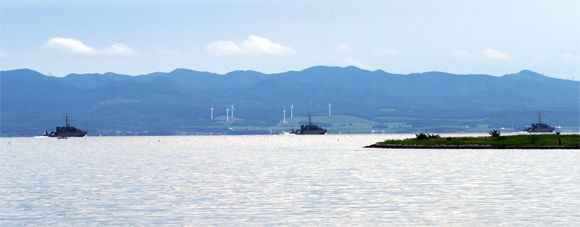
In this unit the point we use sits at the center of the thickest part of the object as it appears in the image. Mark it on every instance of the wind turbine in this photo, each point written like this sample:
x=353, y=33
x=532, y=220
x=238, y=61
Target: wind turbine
x=227, y=113
x=329, y=108
x=284, y=115
x=232, y=109
x=292, y=106
x=211, y=112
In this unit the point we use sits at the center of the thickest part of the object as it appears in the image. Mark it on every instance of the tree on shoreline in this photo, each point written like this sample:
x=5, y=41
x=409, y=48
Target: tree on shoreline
x=495, y=133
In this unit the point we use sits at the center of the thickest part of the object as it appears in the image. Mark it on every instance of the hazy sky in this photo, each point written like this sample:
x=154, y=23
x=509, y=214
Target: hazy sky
x=140, y=37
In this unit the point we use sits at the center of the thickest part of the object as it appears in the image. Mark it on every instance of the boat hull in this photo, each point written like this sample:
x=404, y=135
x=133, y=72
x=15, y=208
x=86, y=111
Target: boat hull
x=69, y=134
x=539, y=130
x=310, y=132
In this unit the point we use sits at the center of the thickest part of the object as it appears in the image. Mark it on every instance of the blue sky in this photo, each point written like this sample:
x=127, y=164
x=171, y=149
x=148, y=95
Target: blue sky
x=140, y=37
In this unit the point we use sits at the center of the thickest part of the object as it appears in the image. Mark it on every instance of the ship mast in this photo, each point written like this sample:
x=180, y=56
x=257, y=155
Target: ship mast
x=539, y=118
x=66, y=119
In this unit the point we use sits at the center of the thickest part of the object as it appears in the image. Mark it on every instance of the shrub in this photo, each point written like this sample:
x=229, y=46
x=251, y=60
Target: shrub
x=421, y=136
x=449, y=138
x=433, y=136
x=495, y=133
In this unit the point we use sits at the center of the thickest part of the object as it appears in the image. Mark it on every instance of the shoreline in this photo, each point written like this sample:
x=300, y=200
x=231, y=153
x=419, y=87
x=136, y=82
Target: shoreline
x=398, y=146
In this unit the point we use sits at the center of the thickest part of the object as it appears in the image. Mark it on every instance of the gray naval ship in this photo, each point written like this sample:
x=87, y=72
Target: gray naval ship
x=539, y=127
x=67, y=131
x=310, y=129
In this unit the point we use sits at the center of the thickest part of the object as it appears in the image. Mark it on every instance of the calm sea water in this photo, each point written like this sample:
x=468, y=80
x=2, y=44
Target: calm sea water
x=280, y=180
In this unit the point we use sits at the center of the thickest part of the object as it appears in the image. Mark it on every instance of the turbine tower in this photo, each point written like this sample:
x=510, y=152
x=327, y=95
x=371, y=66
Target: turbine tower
x=291, y=107
x=232, y=109
x=284, y=115
x=329, y=108
x=211, y=112
x=227, y=112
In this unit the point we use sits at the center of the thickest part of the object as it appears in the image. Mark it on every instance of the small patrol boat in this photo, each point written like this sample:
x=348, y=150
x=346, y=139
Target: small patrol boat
x=67, y=131
x=539, y=127
x=310, y=129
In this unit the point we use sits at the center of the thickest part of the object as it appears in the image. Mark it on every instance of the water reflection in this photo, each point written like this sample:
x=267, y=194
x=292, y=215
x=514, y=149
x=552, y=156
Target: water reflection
x=296, y=180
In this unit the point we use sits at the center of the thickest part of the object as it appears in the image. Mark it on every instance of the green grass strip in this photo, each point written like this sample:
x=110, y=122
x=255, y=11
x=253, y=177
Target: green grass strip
x=515, y=141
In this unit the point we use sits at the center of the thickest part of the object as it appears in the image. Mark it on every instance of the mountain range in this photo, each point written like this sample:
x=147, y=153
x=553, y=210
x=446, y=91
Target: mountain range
x=179, y=102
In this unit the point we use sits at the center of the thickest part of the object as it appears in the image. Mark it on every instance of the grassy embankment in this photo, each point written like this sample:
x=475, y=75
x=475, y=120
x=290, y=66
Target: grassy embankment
x=517, y=141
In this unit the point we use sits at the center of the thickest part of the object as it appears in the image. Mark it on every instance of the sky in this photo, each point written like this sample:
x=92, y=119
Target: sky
x=139, y=37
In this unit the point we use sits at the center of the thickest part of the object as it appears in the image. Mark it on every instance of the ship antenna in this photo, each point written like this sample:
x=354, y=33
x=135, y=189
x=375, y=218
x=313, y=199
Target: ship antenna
x=539, y=118
x=66, y=119
x=309, y=123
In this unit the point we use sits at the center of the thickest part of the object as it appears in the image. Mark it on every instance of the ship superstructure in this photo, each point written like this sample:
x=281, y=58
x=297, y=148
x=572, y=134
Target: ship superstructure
x=66, y=131
x=310, y=129
x=539, y=127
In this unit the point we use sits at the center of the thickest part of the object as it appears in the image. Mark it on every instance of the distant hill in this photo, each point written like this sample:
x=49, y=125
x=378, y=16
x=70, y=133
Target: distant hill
x=180, y=101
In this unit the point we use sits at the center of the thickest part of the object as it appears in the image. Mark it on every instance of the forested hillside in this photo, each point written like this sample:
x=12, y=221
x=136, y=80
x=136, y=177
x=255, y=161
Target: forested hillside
x=179, y=102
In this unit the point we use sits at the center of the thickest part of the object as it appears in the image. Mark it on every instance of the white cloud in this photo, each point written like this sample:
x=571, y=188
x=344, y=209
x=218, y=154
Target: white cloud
x=118, y=49
x=343, y=47
x=570, y=57
x=259, y=45
x=3, y=54
x=355, y=62
x=463, y=54
x=224, y=48
x=495, y=55
x=74, y=46
x=252, y=46
x=70, y=45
